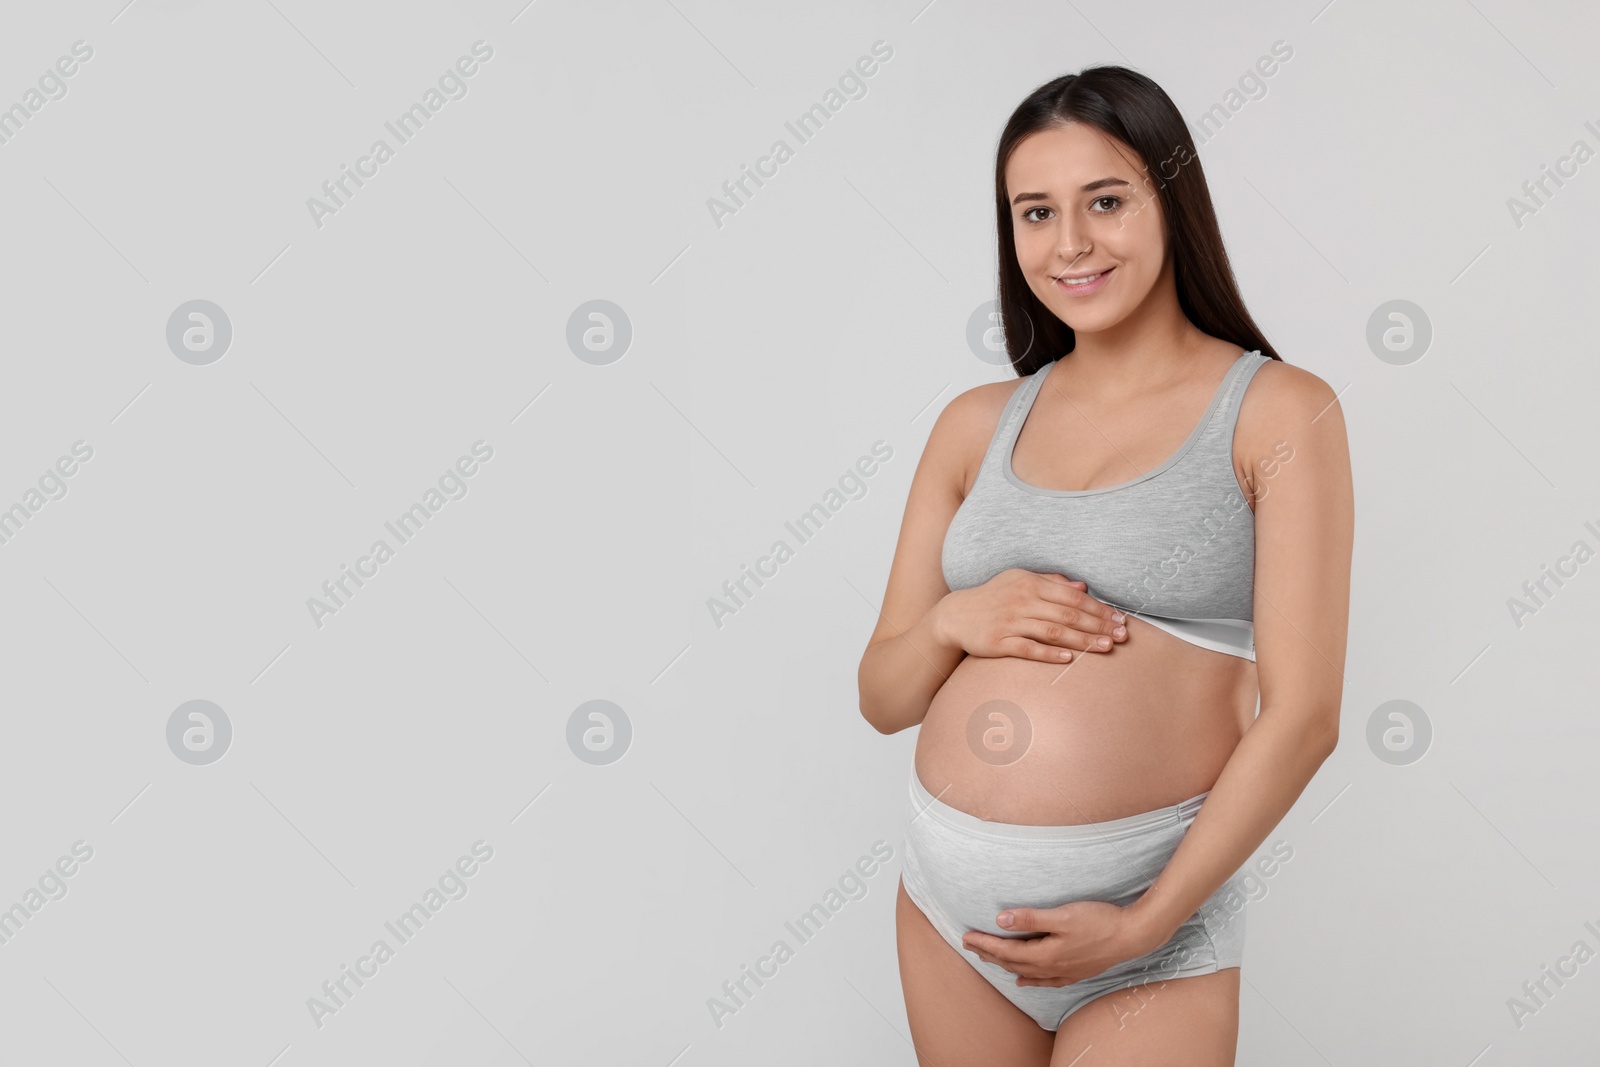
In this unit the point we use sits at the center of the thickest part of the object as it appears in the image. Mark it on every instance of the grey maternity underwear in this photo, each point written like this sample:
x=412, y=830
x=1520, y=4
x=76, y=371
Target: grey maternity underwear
x=962, y=871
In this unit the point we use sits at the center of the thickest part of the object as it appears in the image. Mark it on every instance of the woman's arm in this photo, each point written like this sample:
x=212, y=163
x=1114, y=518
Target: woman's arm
x=1304, y=527
x=907, y=660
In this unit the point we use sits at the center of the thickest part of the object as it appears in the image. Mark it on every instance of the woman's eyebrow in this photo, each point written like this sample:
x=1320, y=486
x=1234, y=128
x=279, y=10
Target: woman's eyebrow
x=1099, y=183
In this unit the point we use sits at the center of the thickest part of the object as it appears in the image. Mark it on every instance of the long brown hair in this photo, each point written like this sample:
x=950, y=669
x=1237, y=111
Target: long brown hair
x=1130, y=108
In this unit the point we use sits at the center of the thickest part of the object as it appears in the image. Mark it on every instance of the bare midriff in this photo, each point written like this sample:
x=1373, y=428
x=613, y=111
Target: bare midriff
x=1147, y=725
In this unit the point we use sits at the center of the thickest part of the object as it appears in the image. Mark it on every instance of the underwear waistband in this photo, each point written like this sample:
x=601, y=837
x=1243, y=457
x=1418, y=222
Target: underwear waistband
x=927, y=806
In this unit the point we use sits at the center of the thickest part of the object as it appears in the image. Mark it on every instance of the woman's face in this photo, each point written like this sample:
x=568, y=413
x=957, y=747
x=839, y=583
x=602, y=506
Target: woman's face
x=1081, y=204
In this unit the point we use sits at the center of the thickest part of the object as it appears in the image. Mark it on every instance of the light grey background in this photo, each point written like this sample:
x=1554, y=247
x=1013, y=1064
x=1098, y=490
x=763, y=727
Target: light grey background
x=768, y=354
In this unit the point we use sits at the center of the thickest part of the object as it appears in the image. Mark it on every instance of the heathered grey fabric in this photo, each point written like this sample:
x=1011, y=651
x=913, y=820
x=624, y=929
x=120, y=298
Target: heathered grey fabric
x=962, y=871
x=1174, y=546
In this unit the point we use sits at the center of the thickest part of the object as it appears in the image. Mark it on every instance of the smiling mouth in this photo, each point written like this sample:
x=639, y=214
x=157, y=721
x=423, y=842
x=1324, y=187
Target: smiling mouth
x=1082, y=279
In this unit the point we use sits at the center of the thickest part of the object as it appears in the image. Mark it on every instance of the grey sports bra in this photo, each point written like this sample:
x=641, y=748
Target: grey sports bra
x=1174, y=546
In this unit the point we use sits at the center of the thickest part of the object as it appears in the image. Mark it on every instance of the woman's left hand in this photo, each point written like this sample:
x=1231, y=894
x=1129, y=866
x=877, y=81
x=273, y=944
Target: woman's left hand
x=1081, y=939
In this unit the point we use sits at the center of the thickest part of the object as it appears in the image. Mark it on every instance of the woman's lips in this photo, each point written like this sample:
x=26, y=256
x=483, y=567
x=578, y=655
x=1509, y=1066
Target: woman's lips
x=1085, y=288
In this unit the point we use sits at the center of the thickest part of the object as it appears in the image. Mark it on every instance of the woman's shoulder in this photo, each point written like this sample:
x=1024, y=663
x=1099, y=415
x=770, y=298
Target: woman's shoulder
x=972, y=408
x=1280, y=391
x=961, y=435
x=1283, y=404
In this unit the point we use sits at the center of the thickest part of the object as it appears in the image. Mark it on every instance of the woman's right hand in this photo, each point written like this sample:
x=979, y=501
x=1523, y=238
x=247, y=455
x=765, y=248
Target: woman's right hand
x=1028, y=615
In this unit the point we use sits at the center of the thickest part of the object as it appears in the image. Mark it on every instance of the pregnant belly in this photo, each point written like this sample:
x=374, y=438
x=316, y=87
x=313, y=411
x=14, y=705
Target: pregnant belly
x=1149, y=724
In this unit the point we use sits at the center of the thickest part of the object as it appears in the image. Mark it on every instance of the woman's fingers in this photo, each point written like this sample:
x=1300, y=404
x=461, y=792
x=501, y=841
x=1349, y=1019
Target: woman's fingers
x=1026, y=648
x=1050, y=614
x=1063, y=635
x=1058, y=589
x=1089, y=624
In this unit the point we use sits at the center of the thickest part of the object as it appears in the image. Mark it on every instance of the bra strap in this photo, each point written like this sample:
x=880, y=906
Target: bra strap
x=1226, y=417
x=1011, y=419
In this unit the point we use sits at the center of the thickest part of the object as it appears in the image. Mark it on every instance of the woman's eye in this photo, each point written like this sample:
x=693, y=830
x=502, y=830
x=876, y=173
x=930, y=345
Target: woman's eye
x=1027, y=215
x=1114, y=202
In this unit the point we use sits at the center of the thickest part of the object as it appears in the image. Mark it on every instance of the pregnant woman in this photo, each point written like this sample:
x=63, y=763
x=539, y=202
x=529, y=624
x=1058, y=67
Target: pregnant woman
x=1100, y=569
